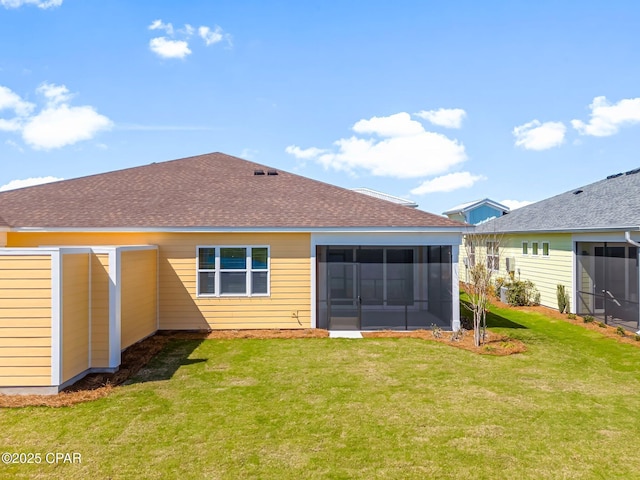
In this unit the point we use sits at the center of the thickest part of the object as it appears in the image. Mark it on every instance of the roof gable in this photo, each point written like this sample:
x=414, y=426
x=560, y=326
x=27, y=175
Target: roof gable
x=212, y=190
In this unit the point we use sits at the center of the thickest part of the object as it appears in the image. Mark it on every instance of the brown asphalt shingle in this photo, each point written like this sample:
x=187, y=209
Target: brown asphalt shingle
x=213, y=190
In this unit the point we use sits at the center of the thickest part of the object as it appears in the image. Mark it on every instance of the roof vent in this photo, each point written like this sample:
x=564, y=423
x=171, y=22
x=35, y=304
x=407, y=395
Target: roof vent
x=615, y=176
x=632, y=172
x=577, y=192
x=272, y=172
x=258, y=172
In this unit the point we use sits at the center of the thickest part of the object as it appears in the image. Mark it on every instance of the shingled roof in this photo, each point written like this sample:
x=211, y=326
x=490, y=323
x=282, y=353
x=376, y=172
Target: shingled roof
x=609, y=204
x=209, y=191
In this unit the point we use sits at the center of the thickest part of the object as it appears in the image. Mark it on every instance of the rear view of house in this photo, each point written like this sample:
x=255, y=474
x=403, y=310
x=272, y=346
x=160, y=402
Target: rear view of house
x=89, y=266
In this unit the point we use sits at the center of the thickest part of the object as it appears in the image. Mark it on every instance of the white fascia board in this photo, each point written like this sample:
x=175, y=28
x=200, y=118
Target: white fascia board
x=28, y=251
x=241, y=229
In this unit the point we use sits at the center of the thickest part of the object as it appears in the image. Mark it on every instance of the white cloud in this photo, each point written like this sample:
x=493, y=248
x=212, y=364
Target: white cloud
x=55, y=94
x=515, y=204
x=160, y=25
x=304, y=154
x=397, y=125
x=444, y=117
x=63, y=125
x=166, y=48
x=57, y=124
x=448, y=183
x=28, y=182
x=169, y=46
x=539, y=136
x=12, y=101
x=406, y=150
x=210, y=37
x=606, y=118
x=44, y=4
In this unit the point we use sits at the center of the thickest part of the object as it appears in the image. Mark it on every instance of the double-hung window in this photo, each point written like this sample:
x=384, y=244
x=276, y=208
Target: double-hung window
x=233, y=271
x=493, y=256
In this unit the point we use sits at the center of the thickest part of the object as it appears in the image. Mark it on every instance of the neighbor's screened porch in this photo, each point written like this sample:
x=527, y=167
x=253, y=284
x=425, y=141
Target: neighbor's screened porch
x=607, y=279
x=384, y=287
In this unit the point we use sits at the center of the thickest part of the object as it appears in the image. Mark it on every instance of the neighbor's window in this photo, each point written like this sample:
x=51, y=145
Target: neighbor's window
x=534, y=248
x=493, y=257
x=233, y=271
x=525, y=248
x=545, y=249
x=471, y=253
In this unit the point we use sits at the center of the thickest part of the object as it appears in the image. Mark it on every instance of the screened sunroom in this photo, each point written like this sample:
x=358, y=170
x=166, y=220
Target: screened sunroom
x=384, y=287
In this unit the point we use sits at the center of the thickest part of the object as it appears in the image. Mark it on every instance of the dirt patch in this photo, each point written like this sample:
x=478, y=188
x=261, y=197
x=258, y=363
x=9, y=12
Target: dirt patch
x=494, y=345
x=98, y=385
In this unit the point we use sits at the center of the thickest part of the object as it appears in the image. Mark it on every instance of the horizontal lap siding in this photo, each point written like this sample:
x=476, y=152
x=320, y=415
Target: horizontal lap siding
x=289, y=305
x=100, y=310
x=25, y=320
x=75, y=314
x=545, y=272
x=138, y=280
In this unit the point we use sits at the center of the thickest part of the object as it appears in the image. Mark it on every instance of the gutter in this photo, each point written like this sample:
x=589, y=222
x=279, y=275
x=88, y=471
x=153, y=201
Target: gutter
x=627, y=237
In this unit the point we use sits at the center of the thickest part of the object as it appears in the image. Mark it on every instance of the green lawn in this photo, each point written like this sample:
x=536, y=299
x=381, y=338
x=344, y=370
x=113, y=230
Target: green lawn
x=375, y=408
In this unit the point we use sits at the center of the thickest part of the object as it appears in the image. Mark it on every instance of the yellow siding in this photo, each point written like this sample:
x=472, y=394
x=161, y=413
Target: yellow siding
x=100, y=310
x=75, y=314
x=288, y=306
x=545, y=272
x=138, y=280
x=25, y=320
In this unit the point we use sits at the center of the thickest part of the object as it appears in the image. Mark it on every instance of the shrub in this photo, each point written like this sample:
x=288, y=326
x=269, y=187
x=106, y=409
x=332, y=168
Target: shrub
x=588, y=319
x=499, y=283
x=458, y=335
x=437, y=331
x=523, y=293
x=466, y=323
x=563, y=299
x=636, y=337
x=571, y=316
x=602, y=325
x=621, y=331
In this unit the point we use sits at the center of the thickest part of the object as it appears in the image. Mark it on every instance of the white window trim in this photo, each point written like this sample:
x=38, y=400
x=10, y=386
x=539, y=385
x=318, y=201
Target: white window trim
x=247, y=271
x=548, y=249
x=495, y=252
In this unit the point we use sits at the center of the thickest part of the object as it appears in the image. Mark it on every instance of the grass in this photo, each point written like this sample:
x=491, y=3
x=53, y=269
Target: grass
x=342, y=409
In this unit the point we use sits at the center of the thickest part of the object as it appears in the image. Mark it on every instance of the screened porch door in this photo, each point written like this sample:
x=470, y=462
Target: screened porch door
x=344, y=301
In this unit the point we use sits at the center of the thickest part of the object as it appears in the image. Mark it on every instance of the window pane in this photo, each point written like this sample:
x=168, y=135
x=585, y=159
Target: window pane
x=545, y=249
x=207, y=258
x=259, y=282
x=534, y=248
x=525, y=248
x=233, y=258
x=259, y=258
x=233, y=282
x=207, y=283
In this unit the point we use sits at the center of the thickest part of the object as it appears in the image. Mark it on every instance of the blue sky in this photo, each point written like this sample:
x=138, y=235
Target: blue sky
x=440, y=102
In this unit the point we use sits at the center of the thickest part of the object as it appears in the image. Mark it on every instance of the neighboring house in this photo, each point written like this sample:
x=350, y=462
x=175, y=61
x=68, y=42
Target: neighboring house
x=585, y=239
x=387, y=197
x=94, y=264
x=477, y=211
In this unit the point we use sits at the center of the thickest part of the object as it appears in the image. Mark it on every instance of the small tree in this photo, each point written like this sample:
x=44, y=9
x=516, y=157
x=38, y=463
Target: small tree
x=483, y=262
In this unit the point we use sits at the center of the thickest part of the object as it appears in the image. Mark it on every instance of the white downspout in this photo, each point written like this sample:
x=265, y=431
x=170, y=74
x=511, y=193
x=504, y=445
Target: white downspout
x=627, y=237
